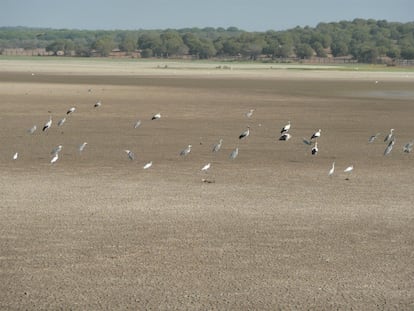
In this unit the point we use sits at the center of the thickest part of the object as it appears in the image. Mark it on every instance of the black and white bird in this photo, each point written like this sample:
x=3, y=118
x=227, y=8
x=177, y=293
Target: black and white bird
x=389, y=147
x=389, y=136
x=61, y=121
x=373, y=137
x=185, y=151
x=249, y=114
x=156, y=116
x=245, y=133
x=332, y=170
x=315, y=149
x=217, y=146
x=234, y=153
x=130, y=154
x=47, y=125
x=56, y=150
x=286, y=128
x=408, y=147
x=316, y=134
x=32, y=129
x=97, y=104
x=82, y=146
x=147, y=165
x=70, y=110
x=285, y=136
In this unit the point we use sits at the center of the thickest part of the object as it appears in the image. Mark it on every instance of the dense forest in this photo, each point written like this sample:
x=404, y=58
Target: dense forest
x=362, y=40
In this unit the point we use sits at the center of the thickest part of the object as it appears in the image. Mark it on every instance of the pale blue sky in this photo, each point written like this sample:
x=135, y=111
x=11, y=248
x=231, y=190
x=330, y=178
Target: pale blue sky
x=250, y=15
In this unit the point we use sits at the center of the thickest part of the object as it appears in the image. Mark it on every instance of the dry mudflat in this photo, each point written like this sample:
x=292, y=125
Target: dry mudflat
x=272, y=231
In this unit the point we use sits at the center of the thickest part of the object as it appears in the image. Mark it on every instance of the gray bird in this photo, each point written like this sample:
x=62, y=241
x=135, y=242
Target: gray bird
x=234, y=153
x=408, y=147
x=185, y=151
x=373, y=137
x=130, y=154
x=389, y=136
x=217, y=147
x=389, y=147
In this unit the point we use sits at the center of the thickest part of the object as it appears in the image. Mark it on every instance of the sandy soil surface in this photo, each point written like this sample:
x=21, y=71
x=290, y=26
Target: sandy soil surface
x=272, y=231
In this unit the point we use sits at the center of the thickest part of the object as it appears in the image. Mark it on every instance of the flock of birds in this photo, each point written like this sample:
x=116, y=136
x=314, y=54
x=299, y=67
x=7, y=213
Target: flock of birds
x=284, y=136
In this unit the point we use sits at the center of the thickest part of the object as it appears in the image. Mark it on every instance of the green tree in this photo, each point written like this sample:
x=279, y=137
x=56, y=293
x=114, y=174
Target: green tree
x=304, y=50
x=104, y=45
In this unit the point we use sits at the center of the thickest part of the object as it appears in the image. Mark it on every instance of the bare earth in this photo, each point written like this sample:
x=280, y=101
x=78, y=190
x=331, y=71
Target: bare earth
x=272, y=231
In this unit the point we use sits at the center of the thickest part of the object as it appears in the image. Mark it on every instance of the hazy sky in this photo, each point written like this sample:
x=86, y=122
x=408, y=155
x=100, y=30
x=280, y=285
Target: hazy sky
x=250, y=15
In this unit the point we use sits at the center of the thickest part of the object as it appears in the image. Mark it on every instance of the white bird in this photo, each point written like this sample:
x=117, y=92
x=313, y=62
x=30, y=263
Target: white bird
x=389, y=147
x=315, y=149
x=389, y=136
x=206, y=167
x=55, y=158
x=285, y=136
x=245, y=134
x=15, y=156
x=147, y=166
x=61, y=121
x=130, y=154
x=249, y=114
x=98, y=104
x=348, y=170
x=32, y=129
x=217, y=147
x=56, y=150
x=316, y=134
x=286, y=128
x=47, y=125
x=373, y=137
x=408, y=147
x=332, y=170
x=185, y=151
x=137, y=124
x=82, y=146
x=71, y=110
x=234, y=153
x=156, y=116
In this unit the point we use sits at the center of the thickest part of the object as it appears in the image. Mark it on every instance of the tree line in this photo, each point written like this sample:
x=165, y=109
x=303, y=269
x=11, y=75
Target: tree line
x=365, y=40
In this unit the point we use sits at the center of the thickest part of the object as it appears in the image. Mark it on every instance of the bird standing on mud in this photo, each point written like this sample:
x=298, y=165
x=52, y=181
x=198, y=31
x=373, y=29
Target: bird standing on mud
x=245, y=134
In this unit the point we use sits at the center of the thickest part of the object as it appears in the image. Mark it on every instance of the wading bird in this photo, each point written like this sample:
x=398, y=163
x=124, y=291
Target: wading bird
x=32, y=129
x=71, y=110
x=249, y=114
x=98, y=104
x=47, y=125
x=285, y=136
x=82, y=146
x=389, y=147
x=348, y=170
x=56, y=150
x=217, y=146
x=185, y=151
x=137, y=124
x=234, y=153
x=55, y=158
x=130, y=154
x=408, y=147
x=286, y=128
x=61, y=121
x=332, y=170
x=373, y=137
x=316, y=135
x=15, y=156
x=245, y=133
x=315, y=149
x=389, y=136
x=147, y=165
x=206, y=167
x=156, y=116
